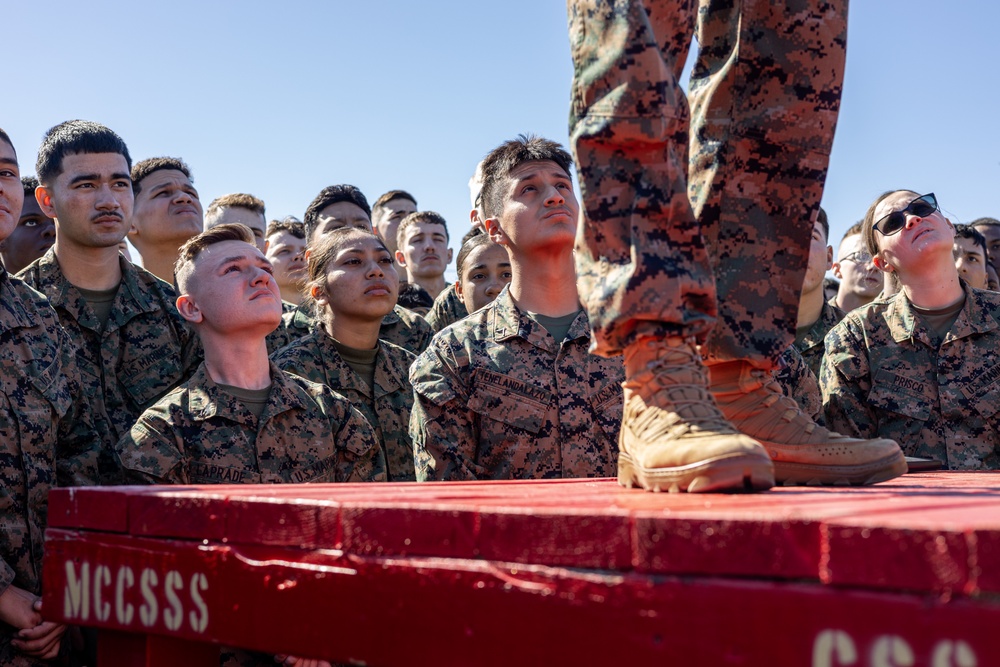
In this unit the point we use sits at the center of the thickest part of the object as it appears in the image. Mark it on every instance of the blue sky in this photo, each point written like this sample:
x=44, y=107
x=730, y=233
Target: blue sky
x=282, y=99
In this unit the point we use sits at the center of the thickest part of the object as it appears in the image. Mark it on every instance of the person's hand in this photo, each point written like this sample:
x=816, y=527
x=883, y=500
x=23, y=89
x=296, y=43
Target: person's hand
x=17, y=608
x=41, y=641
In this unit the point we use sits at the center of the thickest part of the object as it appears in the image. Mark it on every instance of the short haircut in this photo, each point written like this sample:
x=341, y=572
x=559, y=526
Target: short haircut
x=239, y=199
x=868, y=222
x=326, y=248
x=508, y=156
x=985, y=222
x=29, y=183
x=970, y=232
x=391, y=195
x=824, y=222
x=74, y=137
x=144, y=168
x=6, y=137
x=293, y=227
x=477, y=241
x=420, y=217
x=189, y=252
x=853, y=230
x=472, y=233
x=333, y=194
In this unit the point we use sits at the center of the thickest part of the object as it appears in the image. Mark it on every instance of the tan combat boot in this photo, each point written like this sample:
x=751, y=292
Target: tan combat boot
x=803, y=452
x=673, y=436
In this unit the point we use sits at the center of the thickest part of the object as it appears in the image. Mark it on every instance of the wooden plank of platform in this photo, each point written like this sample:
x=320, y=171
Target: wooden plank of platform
x=532, y=572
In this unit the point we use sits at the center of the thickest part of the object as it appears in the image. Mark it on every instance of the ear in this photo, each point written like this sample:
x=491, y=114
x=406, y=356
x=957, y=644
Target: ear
x=449, y=255
x=400, y=258
x=188, y=309
x=267, y=244
x=881, y=264
x=319, y=295
x=836, y=271
x=458, y=289
x=44, y=198
x=474, y=219
x=305, y=256
x=829, y=257
x=493, y=228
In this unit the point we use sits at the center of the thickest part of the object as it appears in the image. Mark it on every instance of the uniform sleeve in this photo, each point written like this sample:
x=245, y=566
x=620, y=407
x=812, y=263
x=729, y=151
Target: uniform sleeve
x=845, y=382
x=442, y=427
x=149, y=452
x=79, y=445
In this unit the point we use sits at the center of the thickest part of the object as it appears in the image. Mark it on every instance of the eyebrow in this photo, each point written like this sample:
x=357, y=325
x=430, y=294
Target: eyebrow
x=7, y=160
x=118, y=176
x=483, y=266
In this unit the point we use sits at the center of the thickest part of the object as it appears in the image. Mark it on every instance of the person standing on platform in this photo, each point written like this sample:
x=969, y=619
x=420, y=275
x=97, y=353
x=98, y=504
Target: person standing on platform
x=691, y=259
x=510, y=391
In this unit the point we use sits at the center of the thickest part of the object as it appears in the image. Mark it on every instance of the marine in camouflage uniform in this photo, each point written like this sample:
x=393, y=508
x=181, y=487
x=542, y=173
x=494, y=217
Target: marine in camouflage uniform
x=811, y=344
x=710, y=240
x=799, y=383
x=496, y=397
x=884, y=374
x=199, y=434
x=448, y=308
x=401, y=327
x=39, y=382
x=386, y=406
x=143, y=351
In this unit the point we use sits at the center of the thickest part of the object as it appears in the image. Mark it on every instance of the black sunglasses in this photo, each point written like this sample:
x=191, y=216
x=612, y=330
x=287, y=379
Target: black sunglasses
x=921, y=206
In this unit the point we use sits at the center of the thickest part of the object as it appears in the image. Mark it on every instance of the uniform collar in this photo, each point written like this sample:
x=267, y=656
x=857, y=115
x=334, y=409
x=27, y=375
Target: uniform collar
x=510, y=321
x=975, y=318
x=206, y=399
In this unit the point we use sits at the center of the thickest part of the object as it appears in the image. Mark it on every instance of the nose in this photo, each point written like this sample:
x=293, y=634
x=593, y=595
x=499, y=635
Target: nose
x=181, y=197
x=260, y=277
x=912, y=220
x=554, y=197
x=375, y=270
x=48, y=229
x=106, y=198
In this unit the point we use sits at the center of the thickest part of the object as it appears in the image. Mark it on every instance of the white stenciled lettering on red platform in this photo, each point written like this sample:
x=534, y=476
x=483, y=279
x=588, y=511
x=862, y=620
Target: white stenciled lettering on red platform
x=836, y=648
x=126, y=597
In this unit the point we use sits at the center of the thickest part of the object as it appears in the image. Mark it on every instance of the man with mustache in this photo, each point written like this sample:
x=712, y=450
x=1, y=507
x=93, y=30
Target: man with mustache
x=510, y=392
x=134, y=344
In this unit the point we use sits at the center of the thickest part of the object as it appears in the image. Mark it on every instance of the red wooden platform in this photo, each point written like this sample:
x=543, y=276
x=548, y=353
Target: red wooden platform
x=523, y=573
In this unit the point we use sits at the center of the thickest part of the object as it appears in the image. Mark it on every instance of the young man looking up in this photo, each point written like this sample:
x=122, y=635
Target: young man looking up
x=240, y=209
x=816, y=316
x=510, y=392
x=285, y=248
x=167, y=213
x=387, y=212
x=134, y=345
x=35, y=232
x=970, y=256
x=860, y=281
x=422, y=249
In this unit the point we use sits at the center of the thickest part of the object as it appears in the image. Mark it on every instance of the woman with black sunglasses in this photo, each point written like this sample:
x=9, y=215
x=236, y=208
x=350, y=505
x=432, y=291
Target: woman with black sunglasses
x=921, y=366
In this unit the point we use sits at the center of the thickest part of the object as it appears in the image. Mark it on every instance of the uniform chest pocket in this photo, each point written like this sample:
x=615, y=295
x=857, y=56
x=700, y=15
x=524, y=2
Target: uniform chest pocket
x=149, y=377
x=909, y=397
x=509, y=400
x=985, y=400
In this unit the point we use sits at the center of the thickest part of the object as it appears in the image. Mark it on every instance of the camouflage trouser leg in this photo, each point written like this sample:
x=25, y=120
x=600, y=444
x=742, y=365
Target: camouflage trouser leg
x=642, y=253
x=765, y=93
x=643, y=267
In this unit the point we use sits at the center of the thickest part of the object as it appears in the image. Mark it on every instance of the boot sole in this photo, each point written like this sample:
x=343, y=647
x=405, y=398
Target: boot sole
x=738, y=472
x=805, y=474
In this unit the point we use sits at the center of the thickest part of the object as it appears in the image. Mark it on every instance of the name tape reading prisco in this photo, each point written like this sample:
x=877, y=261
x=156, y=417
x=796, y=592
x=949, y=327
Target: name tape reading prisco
x=144, y=599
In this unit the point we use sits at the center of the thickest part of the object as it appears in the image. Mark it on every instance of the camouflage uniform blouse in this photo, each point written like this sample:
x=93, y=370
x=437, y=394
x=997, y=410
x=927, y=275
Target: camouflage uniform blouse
x=882, y=375
x=496, y=397
x=448, y=308
x=386, y=406
x=199, y=434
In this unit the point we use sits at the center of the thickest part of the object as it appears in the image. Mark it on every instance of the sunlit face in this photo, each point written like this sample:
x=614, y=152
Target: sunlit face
x=35, y=233
x=485, y=272
x=286, y=252
x=992, y=234
x=91, y=200
x=970, y=260
x=387, y=218
x=232, y=289
x=424, y=250
x=228, y=215
x=820, y=256
x=167, y=208
x=339, y=215
x=920, y=239
x=11, y=191
x=361, y=281
x=540, y=209
x=855, y=270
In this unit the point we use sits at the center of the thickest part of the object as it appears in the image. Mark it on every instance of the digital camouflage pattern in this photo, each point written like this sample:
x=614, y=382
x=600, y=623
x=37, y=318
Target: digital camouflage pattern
x=496, y=397
x=799, y=383
x=401, y=327
x=146, y=349
x=448, y=308
x=884, y=376
x=811, y=345
x=387, y=406
x=41, y=418
x=199, y=434
x=742, y=198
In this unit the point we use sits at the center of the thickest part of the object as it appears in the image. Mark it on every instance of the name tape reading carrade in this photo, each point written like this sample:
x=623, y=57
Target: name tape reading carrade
x=125, y=596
